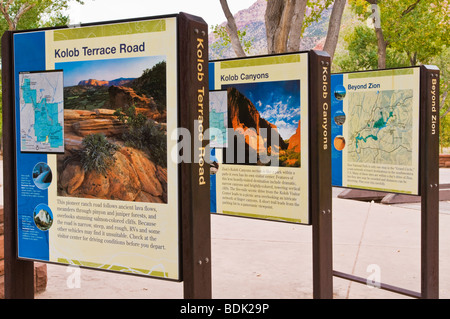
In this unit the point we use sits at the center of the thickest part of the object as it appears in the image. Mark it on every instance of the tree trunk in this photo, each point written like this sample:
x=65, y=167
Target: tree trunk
x=272, y=17
x=334, y=27
x=413, y=59
x=284, y=27
x=296, y=25
x=232, y=30
x=382, y=44
x=12, y=22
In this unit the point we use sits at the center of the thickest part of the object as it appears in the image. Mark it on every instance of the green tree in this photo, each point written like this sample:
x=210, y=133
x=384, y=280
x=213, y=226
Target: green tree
x=225, y=41
x=415, y=32
x=406, y=26
x=153, y=83
x=285, y=21
x=443, y=62
x=362, y=53
x=31, y=14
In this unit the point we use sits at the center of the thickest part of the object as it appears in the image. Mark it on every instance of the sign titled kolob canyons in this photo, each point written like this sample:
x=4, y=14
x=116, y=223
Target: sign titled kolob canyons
x=95, y=183
x=259, y=123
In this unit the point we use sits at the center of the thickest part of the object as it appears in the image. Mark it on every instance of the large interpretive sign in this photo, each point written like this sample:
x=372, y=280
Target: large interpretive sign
x=259, y=137
x=375, y=130
x=94, y=108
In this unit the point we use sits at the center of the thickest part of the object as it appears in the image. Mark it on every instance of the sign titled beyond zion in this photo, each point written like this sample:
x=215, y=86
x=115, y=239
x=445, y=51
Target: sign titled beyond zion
x=375, y=130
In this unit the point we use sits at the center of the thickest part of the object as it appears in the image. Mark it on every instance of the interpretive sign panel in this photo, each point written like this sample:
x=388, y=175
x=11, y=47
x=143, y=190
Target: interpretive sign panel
x=375, y=130
x=104, y=97
x=259, y=137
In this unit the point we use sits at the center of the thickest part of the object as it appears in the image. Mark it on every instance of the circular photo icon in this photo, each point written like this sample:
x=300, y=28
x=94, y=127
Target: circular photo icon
x=339, y=143
x=339, y=117
x=43, y=217
x=42, y=175
x=339, y=92
x=214, y=167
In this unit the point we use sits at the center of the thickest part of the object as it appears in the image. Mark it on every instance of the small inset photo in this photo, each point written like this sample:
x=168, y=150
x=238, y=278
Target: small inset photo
x=340, y=92
x=339, y=118
x=42, y=175
x=339, y=143
x=43, y=217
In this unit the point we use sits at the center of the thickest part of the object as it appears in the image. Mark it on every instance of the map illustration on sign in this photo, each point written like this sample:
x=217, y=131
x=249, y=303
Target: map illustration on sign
x=42, y=111
x=380, y=127
x=218, y=118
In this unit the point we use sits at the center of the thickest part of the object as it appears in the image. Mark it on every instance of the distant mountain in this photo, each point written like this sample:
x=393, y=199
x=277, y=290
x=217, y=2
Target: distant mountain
x=93, y=82
x=117, y=82
x=253, y=20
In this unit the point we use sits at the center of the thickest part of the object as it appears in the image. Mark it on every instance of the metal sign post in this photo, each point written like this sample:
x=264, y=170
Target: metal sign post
x=428, y=181
x=320, y=180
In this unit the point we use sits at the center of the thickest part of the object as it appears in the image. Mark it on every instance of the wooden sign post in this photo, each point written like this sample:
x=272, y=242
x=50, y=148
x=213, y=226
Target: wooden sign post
x=423, y=103
x=246, y=93
x=161, y=225
x=320, y=180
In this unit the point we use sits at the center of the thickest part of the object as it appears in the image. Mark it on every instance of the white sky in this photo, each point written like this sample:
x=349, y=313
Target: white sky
x=106, y=10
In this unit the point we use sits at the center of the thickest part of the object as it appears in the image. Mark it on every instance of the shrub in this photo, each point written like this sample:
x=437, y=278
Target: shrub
x=97, y=153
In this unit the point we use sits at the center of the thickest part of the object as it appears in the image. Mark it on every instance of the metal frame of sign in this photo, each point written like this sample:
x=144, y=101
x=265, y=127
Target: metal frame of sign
x=193, y=225
x=428, y=190
x=319, y=166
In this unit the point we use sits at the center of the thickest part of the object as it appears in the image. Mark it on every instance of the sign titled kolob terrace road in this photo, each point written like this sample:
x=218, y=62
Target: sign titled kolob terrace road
x=95, y=183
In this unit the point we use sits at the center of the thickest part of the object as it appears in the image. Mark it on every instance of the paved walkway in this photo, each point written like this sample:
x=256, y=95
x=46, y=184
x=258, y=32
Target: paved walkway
x=261, y=259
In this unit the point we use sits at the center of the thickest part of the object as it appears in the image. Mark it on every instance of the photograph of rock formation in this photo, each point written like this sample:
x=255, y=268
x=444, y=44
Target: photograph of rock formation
x=257, y=109
x=115, y=130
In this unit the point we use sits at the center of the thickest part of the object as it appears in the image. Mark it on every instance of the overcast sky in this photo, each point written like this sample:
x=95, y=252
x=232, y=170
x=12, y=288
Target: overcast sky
x=105, y=10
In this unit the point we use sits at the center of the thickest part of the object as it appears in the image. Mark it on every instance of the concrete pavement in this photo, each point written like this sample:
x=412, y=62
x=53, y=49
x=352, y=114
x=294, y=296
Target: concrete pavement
x=254, y=259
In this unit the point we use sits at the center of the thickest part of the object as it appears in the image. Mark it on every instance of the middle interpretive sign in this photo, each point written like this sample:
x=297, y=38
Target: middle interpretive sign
x=259, y=137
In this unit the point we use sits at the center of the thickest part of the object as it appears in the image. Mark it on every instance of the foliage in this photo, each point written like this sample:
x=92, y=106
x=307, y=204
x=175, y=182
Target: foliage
x=144, y=134
x=97, y=153
x=289, y=158
x=31, y=14
x=224, y=41
x=442, y=61
x=316, y=8
x=416, y=32
x=129, y=117
x=444, y=133
x=408, y=24
x=361, y=44
x=313, y=14
x=153, y=83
